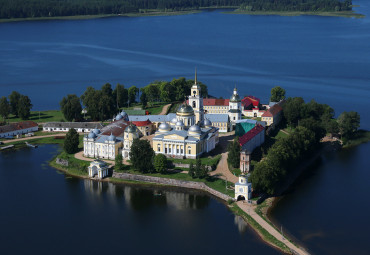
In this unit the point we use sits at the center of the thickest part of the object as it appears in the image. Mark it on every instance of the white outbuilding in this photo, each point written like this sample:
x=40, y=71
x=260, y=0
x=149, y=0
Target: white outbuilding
x=98, y=167
x=243, y=189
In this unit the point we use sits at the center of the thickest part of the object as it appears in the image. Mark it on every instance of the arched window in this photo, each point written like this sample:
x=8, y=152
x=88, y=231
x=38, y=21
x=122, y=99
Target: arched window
x=194, y=104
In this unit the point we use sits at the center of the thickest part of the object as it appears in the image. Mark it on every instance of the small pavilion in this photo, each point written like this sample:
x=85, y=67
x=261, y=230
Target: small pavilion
x=98, y=167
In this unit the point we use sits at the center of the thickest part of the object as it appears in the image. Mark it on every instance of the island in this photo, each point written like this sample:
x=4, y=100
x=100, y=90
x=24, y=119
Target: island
x=239, y=150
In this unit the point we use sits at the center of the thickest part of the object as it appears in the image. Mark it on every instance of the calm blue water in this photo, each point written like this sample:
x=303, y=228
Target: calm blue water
x=326, y=58
x=45, y=212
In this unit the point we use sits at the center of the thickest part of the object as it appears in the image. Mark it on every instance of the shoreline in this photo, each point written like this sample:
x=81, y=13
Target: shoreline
x=148, y=13
x=344, y=14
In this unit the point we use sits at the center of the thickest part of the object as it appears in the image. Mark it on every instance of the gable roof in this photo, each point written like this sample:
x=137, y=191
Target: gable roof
x=142, y=123
x=250, y=134
x=215, y=102
x=255, y=100
x=274, y=110
x=88, y=125
x=18, y=126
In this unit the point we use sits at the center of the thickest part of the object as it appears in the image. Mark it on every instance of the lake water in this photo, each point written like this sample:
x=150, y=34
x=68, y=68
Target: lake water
x=326, y=58
x=45, y=212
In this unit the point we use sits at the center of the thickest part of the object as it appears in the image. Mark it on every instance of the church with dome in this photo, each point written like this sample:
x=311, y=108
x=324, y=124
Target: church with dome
x=189, y=134
x=108, y=142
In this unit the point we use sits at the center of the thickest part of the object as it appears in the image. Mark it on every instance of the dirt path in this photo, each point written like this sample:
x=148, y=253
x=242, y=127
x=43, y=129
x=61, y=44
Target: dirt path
x=164, y=109
x=80, y=156
x=249, y=209
x=222, y=170
x=31, y=138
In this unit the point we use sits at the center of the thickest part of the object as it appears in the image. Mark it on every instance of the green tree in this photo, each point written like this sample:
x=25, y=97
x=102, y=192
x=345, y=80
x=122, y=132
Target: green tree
x=4, y=108
x=160, y=163
x=71, y=141
x=277, y=94
x=348, y=123
x=71, y=107
x=198, y=168
x=121, y=96
x=14, y=100
x=132, y=93
x=233, y=149
x=191, y=170
x=118, y=162
x=292, y=110
x=91, y=99
x=144, y=99
x=24, y=107
x=141, y=156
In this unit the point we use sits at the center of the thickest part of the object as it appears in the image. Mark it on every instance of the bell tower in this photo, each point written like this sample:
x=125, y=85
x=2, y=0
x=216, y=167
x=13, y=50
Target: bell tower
x=196, y=102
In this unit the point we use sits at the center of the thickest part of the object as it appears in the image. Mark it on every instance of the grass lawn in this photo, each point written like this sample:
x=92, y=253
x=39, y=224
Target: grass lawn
x=75, y=166
x=361, y=136
x=42, y=116
x=205, y=161
x=280, y=135
x=156, y=108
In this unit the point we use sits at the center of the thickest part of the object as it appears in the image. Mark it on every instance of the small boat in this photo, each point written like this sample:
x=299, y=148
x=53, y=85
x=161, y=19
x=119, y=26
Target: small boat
x=31, y=145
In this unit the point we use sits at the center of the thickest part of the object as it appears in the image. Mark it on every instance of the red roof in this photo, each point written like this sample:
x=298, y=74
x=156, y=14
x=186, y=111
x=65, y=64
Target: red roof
x=18, y=126
x=115, y=128
x=250, y=134
x=246, y=102
x=275, y=109
x=142, y=123
x=215, y=102
x=255, y=100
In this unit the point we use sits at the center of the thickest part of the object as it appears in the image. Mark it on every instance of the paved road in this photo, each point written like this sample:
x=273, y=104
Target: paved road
x=249, y=209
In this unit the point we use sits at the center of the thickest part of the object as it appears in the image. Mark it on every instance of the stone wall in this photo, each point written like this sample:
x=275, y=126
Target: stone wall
x=62, y=162
x=172, y=182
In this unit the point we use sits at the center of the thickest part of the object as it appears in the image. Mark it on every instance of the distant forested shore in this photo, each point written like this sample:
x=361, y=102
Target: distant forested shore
x=17, y=9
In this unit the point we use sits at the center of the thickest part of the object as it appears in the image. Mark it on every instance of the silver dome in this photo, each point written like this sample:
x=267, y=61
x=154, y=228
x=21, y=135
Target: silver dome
x=207, y=122
x=96, y=131
x=164, y=127
x=174, y=121
x=119, y=116
x=130, y=129
x=123, y=113
x=180, y=123
x=195, y=129
x=91, y=135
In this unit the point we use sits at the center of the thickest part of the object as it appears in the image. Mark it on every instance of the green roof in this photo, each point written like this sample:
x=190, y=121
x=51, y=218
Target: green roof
x=135, y=112
x=242, y=128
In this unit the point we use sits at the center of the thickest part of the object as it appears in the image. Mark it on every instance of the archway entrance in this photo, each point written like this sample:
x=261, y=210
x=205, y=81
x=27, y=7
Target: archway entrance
x=240, y=197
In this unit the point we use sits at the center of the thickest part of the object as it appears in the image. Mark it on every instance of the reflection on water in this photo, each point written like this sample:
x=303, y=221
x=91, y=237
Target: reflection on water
x=240, y=223
x=141, y=198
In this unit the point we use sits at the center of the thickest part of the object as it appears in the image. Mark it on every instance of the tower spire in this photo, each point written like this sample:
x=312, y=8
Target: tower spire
x=195, y=81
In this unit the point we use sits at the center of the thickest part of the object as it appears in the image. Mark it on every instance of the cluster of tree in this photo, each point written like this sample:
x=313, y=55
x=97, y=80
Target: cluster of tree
x=233, y=149
x=282, y=158
x=198, y=171
x=18, y=105
x=100, y=104
x=54, y=8
x=296, y=5
x=175, y=90
x=71, y=141
x=319, y=118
